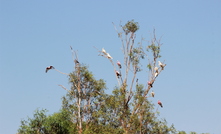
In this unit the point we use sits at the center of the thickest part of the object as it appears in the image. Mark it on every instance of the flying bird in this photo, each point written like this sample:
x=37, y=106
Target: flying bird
x=160, y=103
x=152, y=94
x=118, y=74
x=49, y=68
x=119, y=64
x=108, y=56
x=161, y=65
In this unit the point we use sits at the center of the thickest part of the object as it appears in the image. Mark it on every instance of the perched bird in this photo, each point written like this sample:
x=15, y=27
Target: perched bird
x=160, y=103
x=150, y=83
x=49, y=68
x=103, y=51
x=156, y=69
x=152, y=94
x=108, y=56
x=156, y=74
x=76, y=61
x=161, y=65
x=119, y=64
x=118, y=74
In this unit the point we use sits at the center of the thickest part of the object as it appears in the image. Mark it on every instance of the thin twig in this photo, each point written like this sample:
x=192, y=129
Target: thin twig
x=61, y=72
x=65, y=89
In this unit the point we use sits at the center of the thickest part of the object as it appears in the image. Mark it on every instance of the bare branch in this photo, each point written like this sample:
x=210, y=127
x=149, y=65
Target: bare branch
x=61, y=72
x=65, y=89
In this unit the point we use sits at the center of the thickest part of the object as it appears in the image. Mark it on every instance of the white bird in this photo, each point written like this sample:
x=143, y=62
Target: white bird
x=152, y=94
x=156, y=69
x=161, y=65
x=103, y=51
x=156, y=74
x=108, y=56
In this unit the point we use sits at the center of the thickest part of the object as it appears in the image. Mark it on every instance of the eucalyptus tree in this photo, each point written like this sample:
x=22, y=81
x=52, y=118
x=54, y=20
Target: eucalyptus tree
x=129, y=105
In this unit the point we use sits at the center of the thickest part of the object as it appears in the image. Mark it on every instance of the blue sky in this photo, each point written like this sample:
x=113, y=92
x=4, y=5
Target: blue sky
x=36, y=34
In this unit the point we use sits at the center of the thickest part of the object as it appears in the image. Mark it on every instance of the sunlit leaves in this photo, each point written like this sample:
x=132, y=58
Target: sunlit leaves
x=149, y=66
x=56, y=123
x=131, y=26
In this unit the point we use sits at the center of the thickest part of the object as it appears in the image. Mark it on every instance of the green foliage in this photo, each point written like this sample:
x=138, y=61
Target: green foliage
x=131, y=26
x=86, y=87
x=149, y=66
x=193, y=133
x=155, y=49
x=34, y=126
x=181, y=132
x=135, y=56
x=58, y=123
x=87, y=109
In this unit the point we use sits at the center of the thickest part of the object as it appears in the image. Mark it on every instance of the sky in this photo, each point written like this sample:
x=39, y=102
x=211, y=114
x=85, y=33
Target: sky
x=37, y=34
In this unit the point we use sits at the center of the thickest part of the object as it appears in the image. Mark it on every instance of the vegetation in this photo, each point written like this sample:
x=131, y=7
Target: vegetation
x=87, y=109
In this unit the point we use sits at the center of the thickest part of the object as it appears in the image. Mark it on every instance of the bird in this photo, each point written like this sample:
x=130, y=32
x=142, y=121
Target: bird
x=49, y=68
x=161, y=65
x=156, y=69
x=108, y=56
x=76, y=61
x=119, y=64
x=160, y=103
x=103, y=51
x=118, y=74
x=152, y=94
x=156, y=74
x=150, y=83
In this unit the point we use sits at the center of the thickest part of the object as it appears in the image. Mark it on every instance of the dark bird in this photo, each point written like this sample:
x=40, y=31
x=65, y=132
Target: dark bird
x=76, y=61
x=150, y=83
x=118, y=74
x=49, y=68
x=119, y=64
x=160, y=103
